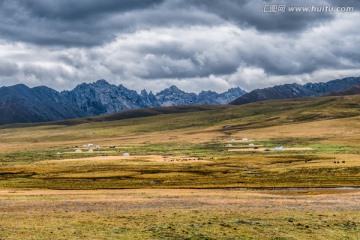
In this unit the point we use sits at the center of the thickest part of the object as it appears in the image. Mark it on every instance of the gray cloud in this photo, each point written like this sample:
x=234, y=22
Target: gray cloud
x=69, y=22
x=195, y=44
x=248, y=13
x=8, y=68
x=86, y=23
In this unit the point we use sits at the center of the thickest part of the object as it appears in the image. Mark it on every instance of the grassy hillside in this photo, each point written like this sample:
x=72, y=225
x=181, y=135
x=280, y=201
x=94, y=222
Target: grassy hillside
x=190, y=149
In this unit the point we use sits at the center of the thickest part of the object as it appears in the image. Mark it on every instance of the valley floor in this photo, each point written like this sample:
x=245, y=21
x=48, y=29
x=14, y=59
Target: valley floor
x=180, y=214
x=190, y=175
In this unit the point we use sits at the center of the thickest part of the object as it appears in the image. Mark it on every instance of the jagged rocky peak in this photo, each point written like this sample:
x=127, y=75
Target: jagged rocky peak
x=99, y=84
x=144, y=93
x=100, y=97
x=234, y=93
x=174, y=96
x=172, y=89
x=102, y=82
x=96, y=98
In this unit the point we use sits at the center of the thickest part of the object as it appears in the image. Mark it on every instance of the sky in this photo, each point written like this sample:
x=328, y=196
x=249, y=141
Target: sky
x=193, y=44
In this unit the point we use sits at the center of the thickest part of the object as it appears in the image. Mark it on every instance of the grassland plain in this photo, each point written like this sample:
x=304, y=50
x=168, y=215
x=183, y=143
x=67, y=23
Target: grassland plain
x=187, y=149
x=180, y=214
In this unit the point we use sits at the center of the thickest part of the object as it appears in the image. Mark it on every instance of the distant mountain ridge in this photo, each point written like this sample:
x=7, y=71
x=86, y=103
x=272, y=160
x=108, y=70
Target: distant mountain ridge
x=21, y=104
x=351, y=91
x=295, y=90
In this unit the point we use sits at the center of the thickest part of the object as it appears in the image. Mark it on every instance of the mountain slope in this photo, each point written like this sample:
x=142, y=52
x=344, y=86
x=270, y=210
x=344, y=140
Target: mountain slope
x=351, y=91
x=294, y=90
x=21, y=104
x=173, y=96
x=140, y=113
x=285, y=91
x=102, y=98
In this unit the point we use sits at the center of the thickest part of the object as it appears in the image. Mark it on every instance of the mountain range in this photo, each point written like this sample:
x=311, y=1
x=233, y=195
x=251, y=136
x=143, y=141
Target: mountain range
x=295, y=90
x=21, y=104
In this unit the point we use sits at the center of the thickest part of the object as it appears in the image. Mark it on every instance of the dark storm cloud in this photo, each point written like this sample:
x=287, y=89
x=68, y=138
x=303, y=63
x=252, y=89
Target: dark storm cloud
x=67, y=22
x=87, y=23
x=248, y=13
x=83, y=9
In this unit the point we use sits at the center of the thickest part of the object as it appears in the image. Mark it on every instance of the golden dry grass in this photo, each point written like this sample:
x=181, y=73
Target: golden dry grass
x=138, y=159
x=267, y=149
x=330, y=131
x=180, y=214
x=188, y=150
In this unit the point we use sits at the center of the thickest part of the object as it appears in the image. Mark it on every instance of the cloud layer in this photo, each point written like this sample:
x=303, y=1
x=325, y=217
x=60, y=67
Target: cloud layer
x=193, y=44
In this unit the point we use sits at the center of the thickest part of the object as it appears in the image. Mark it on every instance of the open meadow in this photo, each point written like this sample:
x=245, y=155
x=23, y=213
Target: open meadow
x=270, y=170
x=180, y=214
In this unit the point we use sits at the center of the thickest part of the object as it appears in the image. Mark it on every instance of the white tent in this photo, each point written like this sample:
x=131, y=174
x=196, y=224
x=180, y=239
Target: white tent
x=97, y=147
x=279, y=148
x=229, y=145
x=245, y=139
x=90, y=150
x=233, y=140
x=78, y=151
x=90, y=145
x=251, y=144
x=126, y=154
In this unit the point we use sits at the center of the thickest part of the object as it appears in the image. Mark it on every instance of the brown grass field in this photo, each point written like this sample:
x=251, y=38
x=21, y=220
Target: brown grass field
x=180, y=214
x=181, y=180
